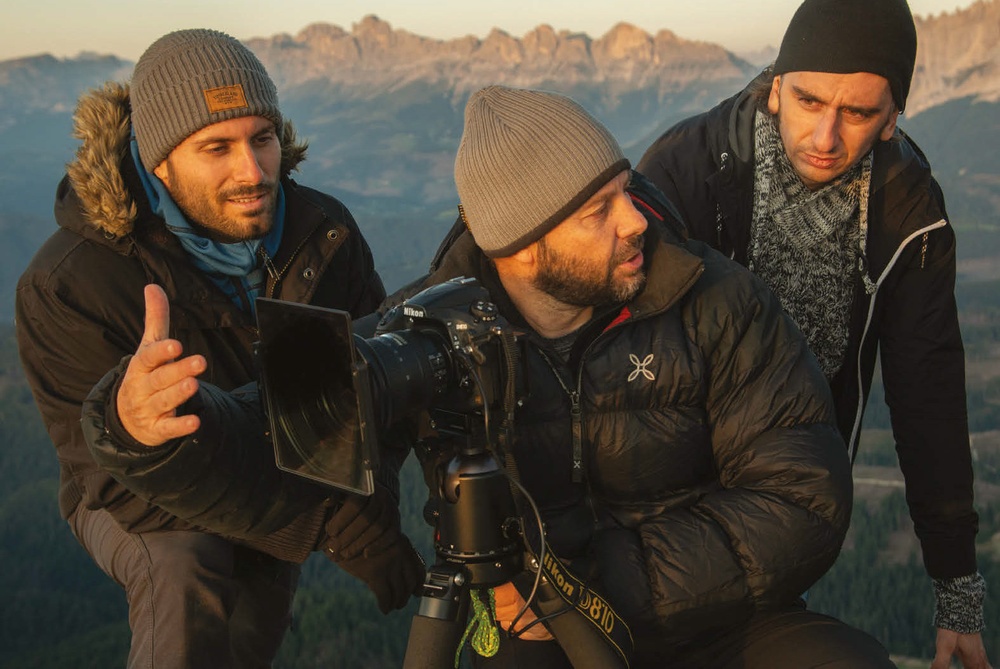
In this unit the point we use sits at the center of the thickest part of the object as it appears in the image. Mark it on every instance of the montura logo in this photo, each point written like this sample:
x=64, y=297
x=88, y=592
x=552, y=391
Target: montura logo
x=640, y=367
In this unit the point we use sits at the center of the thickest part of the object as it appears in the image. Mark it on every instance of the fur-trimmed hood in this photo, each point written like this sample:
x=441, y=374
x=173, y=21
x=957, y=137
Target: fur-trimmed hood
x=103, y=125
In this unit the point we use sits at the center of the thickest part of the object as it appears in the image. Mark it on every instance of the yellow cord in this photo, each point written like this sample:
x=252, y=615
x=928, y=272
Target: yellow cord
x=482, y=627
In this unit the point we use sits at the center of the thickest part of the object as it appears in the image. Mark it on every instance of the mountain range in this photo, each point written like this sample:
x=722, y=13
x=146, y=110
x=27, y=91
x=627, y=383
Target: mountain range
x=382, y=108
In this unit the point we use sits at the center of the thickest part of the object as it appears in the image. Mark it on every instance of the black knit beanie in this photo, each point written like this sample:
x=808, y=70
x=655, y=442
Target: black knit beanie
x=847, y=36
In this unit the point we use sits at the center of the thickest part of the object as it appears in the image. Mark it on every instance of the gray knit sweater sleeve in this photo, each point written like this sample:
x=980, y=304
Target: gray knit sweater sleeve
x=959, y=605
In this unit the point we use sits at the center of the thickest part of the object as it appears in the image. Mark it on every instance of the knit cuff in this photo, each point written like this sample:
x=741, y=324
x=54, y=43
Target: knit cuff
x=959, y=605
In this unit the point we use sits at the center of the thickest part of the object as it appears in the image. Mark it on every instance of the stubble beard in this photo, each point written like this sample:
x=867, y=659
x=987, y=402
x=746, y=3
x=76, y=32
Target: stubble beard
x=206, y=211
x=573, y=281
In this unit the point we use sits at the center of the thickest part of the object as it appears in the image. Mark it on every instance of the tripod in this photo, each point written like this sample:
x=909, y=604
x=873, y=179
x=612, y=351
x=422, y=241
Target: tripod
x=479, y=544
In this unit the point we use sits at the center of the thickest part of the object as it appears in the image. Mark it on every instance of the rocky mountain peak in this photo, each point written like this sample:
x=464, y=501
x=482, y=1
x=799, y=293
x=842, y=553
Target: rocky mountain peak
x=625, y=40
x=958, y=55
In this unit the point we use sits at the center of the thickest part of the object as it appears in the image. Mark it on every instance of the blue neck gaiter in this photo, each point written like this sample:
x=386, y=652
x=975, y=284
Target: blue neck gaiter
x=230, y=266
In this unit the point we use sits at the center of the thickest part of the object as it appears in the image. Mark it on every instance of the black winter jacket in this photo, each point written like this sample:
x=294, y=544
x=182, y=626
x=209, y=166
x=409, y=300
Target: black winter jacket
x=716, y=483
x=80, y=310
x=705, y=166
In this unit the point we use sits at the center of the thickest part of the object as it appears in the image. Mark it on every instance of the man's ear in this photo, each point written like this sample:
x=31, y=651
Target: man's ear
x=890, y=126
x=162, y=173
x=521, y=263
x=772, y=99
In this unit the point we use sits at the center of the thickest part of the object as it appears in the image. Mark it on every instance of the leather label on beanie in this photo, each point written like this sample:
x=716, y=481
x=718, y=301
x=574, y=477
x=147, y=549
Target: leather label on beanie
x=225, y=97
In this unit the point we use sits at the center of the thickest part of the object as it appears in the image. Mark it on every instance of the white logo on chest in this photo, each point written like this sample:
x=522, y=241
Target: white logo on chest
x=640, y=367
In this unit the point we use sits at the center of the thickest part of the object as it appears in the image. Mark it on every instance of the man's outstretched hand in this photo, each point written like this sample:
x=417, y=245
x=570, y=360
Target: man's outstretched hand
x=156, y=382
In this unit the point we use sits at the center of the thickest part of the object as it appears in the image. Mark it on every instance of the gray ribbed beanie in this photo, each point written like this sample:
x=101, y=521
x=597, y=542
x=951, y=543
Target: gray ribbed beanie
x=190, y=79
x=527, y=160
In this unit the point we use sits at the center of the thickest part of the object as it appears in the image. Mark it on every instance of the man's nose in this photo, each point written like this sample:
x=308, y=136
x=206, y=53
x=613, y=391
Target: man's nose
x=247, y=168
x=826, y=134
x=632, y=222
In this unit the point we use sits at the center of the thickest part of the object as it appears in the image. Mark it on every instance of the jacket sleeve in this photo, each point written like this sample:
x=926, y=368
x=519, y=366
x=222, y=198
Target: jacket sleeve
x=923, y=370
x=223, y=478
x=776, y=517
x=66, y=343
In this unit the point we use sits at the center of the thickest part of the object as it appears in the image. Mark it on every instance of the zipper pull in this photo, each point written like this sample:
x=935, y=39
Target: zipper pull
x=268, y=265
x=576, y=416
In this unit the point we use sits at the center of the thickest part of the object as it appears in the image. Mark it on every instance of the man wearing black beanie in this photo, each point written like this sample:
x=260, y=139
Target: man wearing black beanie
x=804, y=178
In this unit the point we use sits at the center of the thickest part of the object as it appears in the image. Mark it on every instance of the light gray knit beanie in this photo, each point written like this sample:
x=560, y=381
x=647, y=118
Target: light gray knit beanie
x=527, y=160
x=190, y=79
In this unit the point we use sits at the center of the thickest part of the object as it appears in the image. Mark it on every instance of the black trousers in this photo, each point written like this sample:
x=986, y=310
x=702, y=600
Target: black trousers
x=788, y=639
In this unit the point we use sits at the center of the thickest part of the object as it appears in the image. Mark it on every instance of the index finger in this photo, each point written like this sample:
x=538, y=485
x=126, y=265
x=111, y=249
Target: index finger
x=157, y=326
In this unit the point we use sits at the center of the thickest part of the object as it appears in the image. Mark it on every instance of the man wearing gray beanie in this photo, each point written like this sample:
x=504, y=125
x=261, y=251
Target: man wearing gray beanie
x=804, y=178
x=675, y=432
x=177, y=212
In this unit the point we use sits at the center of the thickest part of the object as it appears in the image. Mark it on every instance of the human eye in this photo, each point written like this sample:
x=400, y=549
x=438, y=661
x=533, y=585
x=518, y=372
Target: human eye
x=808, y=102
x=215, y=149
x=265, y=138
x=859, y=115
x=597, y=214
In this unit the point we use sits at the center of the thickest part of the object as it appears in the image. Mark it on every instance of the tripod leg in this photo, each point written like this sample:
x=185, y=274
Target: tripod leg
x=437, y=627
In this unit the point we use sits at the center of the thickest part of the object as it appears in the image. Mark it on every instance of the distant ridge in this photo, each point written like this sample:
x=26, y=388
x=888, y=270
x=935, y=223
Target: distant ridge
x=375, y=56
x=958, y=56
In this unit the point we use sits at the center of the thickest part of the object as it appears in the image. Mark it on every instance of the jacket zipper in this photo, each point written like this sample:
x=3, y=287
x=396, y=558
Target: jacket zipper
x=273, y=271
x=576, y=417
x=868, y=321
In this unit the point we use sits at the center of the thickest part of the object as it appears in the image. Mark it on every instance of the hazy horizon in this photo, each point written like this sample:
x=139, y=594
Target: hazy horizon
x=66, y=29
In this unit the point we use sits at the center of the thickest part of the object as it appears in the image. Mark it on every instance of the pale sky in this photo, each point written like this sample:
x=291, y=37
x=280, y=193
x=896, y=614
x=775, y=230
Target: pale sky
x=64, y=28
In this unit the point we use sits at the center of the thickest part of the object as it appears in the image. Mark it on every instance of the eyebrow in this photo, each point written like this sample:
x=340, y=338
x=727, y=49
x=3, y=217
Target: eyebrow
x=598, y=200
x=802, y=92
x=227, y=139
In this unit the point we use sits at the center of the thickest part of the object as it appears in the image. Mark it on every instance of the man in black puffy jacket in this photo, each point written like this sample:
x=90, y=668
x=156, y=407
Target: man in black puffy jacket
x=677, y=435
x=177, y=212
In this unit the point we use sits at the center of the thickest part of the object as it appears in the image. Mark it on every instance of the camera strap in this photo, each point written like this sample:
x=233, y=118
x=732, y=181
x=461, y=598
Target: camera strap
x=595, y=609
x=611, y=628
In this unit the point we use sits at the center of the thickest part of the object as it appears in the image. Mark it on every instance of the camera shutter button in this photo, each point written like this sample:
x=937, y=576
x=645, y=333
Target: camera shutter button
x=484, y=311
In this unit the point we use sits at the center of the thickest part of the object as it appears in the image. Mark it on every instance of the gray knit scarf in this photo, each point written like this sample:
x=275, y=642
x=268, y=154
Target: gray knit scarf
x=806, y=244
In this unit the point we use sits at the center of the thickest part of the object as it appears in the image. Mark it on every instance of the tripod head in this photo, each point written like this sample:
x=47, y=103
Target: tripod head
x=477, y=533
x=478, y=525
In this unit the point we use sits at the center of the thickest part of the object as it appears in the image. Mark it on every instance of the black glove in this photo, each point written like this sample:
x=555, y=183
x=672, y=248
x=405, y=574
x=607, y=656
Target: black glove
x=362, y=525
x=364, y=539
x=394, y=574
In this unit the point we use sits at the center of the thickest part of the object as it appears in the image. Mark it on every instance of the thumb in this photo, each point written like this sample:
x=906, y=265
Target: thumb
x=157, y=315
